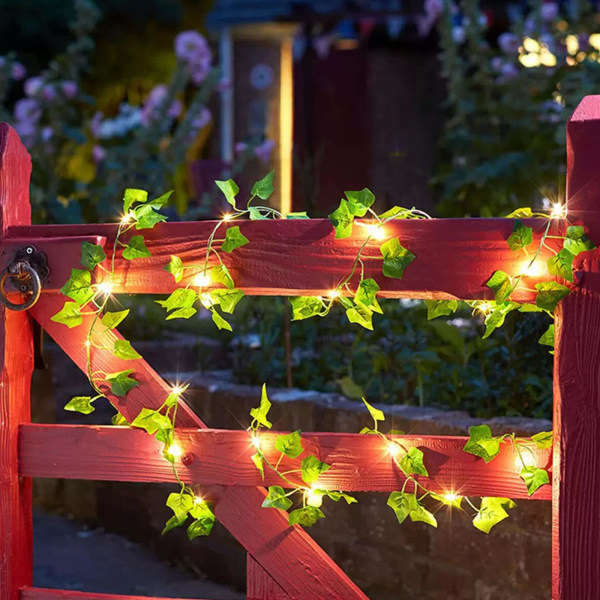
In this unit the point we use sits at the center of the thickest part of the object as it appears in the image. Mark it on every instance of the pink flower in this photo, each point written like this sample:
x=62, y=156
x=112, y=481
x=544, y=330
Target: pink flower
x=48, y=92
x=98, y=154
x=202, y=119
x=33, y=85
x=549, y=11
x=240, y=147
x=434, y=8
x=69, y=89
x=27, y=109
x=509, y=43
x=95, y=122
x=264, y=150
x=26, y=131
x=175, y=109
x=192, y=47
x=18, y=71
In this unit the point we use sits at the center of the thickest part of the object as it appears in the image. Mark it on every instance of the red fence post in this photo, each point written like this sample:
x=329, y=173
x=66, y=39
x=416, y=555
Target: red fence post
x=16, y=362
x=576, y=485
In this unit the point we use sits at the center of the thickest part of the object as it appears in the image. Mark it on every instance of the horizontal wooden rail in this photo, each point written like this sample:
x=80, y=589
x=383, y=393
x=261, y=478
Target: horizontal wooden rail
x=302, y=257
x=359, y=462
x=33, y=593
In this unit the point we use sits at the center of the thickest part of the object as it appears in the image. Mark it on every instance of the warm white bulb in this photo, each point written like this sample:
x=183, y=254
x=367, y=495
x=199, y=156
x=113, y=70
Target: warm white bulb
x=485, y=308
x=105, y=287
x=201, y=280
x=175, y=450
x=333, y=294
x=559, y=211
x=227, y=216
x=525, y=459
x=127, y=218
x=535, y=269
x=313, y=498
x=451, y=497
x=376, y=232
x=394, y=449
x=177, y=390
x=256, y=441
x=198, y=500
x=88, y=343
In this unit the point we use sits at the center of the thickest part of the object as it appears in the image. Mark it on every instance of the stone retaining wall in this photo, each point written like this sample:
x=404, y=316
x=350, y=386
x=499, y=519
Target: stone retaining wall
x=388, y=561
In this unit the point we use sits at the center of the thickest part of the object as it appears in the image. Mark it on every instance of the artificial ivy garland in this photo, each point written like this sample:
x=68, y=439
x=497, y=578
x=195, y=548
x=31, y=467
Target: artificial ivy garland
x=360, y=302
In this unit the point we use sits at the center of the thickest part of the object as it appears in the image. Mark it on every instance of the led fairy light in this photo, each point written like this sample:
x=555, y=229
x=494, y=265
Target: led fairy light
x=333, y=294
x=485, y=308
x=451, y=497
x=227, y=217
x=175, y=450
x=313, y=498
x=256, y=441
x=525, y=459
x=201, y=280
x=559, y=211
x=127, y=218
x=105, y=287
x=537, y=268
x=374, y=230
x=394, y=449
x=177, y=390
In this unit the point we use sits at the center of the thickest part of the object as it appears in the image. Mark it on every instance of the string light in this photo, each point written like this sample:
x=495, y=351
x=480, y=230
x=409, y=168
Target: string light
x=227, y=217
x=535, y=269
x=559, y=211
x=177, y=390
x=375, y=231
x=313, y=497
x=256, y=441
x=525, y=459
x=127, y=218
x=175, y=450
x=87, y=343
x=485, y=308
x=201, y=280
x=333, y=294
x=394, y=449
x=198, y=500
x=451, y=497
x=105, y=287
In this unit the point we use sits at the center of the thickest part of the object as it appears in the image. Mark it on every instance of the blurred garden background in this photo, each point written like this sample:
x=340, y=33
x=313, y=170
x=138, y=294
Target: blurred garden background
x=456, y=108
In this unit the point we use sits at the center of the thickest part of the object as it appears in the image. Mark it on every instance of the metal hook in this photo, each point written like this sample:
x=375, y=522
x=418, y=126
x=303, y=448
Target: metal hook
x=27, y=272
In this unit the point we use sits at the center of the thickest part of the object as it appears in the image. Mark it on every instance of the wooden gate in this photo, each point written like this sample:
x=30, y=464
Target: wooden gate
x=455, y=257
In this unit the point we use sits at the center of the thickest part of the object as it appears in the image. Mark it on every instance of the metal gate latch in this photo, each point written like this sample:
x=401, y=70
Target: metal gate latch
x=26, y=273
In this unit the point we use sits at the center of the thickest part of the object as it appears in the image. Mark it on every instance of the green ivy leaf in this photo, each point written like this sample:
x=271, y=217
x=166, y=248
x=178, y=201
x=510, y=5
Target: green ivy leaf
x=521, y=237
x=260, y=413
x=255, y=214
x=420, y=513
x=492, y=511
x=534, y=478
x=341, y=219
x=132, y=196
x=119, y=420
x=561, y=265
x=304, y=307
x=520, y=213
x=529, y=308
x=263, y=188
x=276, y=498
x=290, y=444
x=366, y=292
x=91, y=255
x=80, y=404
x=376, y=414
x=395, y=258
x=230, y=190
x=550, y=293
x=180, y=504
x=221, y=274
x=547, y=338
x=406, y=505
x=440, y=308
x=204, y=519
x=172, y=523
x=146, y=217
x=151, y=421
x=496, y=318
x=161, y=200
x=226, y=299
x=312, y=468
x=182, y=313
x=412, y=463
x=219, y=321
x=360, y=202
x=481, y=443
x=69, y=315
x=179, y=298
x=337, y=496
x=543, y=439
x=577, y=241
x=111, y=319
x=121, y=383
x=79, y=286
x=501, y=284
x=258, y=461
x=136, y=248
x=306, y=516
x=361, y=315
x=123, y=349
x=175, y=267
x=234, y=238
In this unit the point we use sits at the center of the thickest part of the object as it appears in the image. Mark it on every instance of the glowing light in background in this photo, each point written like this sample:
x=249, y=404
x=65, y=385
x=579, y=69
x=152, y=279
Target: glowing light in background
x=201, y=280
x=559, y=211
x=535, y=269
x=105, y=287
x=175, y=450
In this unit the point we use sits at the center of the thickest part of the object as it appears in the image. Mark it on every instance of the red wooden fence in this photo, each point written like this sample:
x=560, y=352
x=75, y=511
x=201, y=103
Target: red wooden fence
x=455, y=259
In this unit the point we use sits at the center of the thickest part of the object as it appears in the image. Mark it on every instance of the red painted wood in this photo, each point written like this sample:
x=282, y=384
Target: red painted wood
x=302, y=257
x=260, y=585
x=32, y=593
x=16, y=366
x=296, y=562
x=359, y=462
x=576, y=482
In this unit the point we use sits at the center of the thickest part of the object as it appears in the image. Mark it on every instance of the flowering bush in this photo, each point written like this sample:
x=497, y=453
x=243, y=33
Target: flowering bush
x=84, y=159
x=509, y=101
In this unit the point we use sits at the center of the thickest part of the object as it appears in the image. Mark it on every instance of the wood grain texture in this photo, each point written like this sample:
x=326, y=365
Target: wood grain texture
x=16, y=366
x=289, y=554
x=302, y=257
x=359, y=463
x=260, y=585
x=33, y=593
x=576, y=481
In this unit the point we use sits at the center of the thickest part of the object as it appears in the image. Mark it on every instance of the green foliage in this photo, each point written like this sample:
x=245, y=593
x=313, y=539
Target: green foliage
x=79, y=286
x=91, y=255
x=290, y=444
x=81, y=404
x=264, y=187
x=312, y=468
x=440, y=308
x=395, y=258
x=577, y=241
x=501, y=284
x=561, y=264
x=481, y=443
x=68, y=315
x=407, y=505
x=110, y=320
x=276, y=498
x=304, y=307
x=412, y=463
x=550, y=293
x=341, y=219
x=123, y=349
x=306, y=516
x=151, y=421
x=492, y=511
x=234, y=238
x=260, y=414
x=121, y=383
x=136, y=248
x=543, y=439
x=534, y=478
x=230, y=190
x=521, y=237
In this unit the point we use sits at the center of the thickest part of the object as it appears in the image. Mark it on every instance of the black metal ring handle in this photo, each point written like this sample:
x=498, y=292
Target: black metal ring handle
x=34, y=293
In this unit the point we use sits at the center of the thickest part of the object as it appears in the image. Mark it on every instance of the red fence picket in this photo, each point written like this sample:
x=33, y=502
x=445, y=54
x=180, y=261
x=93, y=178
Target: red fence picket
x=292, y=258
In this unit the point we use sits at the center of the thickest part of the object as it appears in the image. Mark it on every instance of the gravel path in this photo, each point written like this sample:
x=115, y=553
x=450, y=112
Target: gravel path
x=69, y=556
